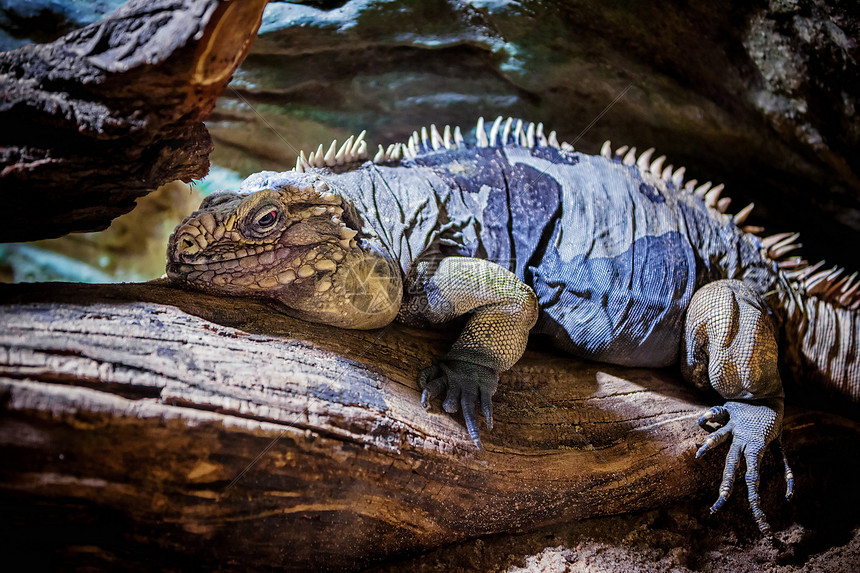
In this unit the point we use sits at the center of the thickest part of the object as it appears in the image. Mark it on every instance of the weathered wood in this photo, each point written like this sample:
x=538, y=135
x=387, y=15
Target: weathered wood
x=142, y=423
x=110, y=112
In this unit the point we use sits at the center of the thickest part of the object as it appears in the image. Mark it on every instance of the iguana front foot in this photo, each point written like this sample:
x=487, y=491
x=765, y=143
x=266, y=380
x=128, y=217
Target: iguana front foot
x=502, y=310
x=749, y=425
x=462, y=383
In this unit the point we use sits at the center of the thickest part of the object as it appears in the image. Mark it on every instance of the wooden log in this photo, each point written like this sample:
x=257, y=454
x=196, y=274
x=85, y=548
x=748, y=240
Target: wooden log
x=147, y=425
x=110, y=112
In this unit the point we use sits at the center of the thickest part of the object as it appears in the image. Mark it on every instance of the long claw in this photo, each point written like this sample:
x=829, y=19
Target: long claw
x=432, y=383
x=789, y=475
x=715, y=439
x=452, y=400
x=472, y=425
x=753, y=457
x=428, y=374
x=728, y=477
x=717, y=416
x=487, y=409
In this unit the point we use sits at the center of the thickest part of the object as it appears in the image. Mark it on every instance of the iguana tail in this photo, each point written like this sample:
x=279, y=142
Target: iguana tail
x=821, y=325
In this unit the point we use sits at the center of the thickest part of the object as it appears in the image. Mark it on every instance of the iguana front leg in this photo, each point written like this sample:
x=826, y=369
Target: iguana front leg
x=730, y=346
x=503, y=310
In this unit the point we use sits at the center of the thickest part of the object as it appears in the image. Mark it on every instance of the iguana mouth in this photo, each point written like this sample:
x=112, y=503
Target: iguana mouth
x=256, y=259
x=242, y=254
x=263, y=266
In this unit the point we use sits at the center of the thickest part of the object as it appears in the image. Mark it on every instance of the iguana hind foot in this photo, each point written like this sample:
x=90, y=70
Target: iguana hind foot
x=730, y=346
x=749, y=425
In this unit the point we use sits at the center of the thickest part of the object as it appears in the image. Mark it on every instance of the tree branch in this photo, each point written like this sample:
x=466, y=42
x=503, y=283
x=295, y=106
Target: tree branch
x=109, y=112
x=221, y=432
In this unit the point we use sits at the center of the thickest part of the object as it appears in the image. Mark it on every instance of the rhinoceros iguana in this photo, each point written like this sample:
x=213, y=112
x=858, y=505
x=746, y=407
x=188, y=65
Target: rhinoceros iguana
x=614, y=257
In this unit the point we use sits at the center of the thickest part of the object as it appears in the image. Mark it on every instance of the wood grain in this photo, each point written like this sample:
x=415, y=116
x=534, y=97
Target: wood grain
x=142, y=423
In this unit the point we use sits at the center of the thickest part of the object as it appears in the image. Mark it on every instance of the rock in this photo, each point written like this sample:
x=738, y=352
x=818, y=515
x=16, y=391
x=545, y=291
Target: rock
x=761, y=98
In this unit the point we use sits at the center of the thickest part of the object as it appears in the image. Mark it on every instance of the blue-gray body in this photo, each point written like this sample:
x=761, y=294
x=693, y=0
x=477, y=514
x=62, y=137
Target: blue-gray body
x=613, y=254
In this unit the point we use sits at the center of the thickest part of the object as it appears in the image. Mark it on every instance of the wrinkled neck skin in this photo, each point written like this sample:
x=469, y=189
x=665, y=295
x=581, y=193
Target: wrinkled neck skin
x=292, y=239
x=365, y=292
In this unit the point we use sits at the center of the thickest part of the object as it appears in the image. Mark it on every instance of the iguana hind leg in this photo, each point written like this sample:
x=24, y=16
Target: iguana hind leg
x=502, y=311
x=730, y=346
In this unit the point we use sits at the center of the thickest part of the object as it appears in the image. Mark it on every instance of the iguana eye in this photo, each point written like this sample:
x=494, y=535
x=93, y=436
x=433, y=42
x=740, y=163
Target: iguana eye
x=267, y=218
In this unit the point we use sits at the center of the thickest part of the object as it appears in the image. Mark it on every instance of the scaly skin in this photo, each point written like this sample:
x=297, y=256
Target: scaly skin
x=292, y=245
x=612, y=257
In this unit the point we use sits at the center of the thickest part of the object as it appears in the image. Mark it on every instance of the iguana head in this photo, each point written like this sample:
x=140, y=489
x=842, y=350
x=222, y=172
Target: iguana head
x=288, y=237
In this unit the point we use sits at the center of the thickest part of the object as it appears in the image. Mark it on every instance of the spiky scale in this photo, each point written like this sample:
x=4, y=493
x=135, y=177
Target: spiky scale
x=846, y=297
x=778, y=252
x=494, y=131
x=539, y=135
x=805, y=273
x=606, y=150
x=398, y=151
x=331, y=154
x=837, y=286
x=518, y=132
x=506, y=131
x=524, y=141
x=773, y=240
x=713, y=196
x=791, y=262
x=343, y=152
x=435, y=138
x=742, y=215
x=702, y=189
x=629, y=157
x=667, y=173
x=645, y=159
x=821, y=286
x=817, y=278
x=657, y=166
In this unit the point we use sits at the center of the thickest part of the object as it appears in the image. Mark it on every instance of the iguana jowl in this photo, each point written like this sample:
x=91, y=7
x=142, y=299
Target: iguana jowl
x=614, y=257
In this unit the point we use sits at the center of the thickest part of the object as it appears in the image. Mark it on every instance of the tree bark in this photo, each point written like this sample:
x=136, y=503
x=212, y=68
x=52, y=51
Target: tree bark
x=110, y=112
x=147, y=425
